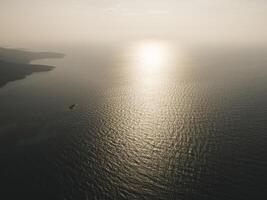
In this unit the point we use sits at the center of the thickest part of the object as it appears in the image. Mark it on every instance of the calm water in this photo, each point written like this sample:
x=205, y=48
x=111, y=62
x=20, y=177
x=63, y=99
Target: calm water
x=153, y=120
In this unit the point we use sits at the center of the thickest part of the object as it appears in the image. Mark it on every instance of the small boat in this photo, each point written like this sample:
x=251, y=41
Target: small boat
x=71, y=107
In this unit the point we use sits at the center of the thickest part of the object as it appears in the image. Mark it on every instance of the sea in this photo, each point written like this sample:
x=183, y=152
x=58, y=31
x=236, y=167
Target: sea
x=148, y=119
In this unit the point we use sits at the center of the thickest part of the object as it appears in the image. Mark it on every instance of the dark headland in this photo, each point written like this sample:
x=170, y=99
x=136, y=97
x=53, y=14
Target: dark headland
x=14, y=63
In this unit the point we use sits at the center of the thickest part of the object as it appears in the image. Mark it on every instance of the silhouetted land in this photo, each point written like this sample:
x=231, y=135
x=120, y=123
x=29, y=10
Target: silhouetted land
x=14, y=63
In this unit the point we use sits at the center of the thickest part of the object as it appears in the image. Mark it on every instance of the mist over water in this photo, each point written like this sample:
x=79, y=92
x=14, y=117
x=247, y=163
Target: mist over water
x=194, y=21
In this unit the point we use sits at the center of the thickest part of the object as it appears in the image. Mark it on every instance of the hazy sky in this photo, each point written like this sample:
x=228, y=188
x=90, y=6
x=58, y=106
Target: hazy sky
x=84, y=20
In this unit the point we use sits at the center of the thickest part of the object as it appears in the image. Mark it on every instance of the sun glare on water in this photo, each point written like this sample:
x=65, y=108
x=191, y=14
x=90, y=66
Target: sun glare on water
x=151, y=56
x=150, y=60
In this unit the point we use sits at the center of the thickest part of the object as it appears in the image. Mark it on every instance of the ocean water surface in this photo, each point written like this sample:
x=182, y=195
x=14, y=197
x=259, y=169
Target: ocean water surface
x=152, y=120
